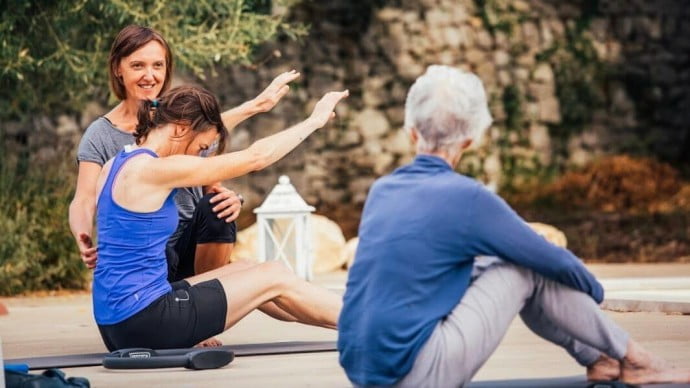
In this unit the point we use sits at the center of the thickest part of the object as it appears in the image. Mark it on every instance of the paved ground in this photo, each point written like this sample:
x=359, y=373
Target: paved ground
x=64, y=325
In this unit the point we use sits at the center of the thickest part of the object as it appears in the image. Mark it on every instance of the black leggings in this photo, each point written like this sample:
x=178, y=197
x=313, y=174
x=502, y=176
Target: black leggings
x=205, y=227
x=181, y=318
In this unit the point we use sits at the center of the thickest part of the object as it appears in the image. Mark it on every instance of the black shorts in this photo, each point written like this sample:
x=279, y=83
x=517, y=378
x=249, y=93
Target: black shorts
x=179, y=319
x=205, y=227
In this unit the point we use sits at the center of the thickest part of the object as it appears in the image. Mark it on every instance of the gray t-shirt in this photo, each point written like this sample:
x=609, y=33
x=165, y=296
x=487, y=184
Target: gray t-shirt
x=102, y=141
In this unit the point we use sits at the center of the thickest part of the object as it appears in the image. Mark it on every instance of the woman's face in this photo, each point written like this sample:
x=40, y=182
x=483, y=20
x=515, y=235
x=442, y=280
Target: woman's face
x=143, y=72
x=197, y=143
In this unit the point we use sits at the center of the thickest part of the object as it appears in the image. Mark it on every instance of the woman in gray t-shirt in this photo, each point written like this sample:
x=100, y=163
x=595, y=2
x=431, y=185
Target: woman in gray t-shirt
x=140, y=68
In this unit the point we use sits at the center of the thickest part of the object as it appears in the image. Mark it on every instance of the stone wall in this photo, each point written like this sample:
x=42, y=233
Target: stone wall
x=568, y=81
x=648, y=42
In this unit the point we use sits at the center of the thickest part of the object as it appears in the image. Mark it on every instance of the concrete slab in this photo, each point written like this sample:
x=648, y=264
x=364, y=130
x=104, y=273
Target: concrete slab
x=38, y=326
x=677, y=296
x=653, y=283
x=664, y=300
x=63, y=325
x=656, y=293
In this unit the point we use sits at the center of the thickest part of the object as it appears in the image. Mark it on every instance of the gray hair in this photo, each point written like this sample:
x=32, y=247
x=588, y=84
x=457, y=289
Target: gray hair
x=446, y=106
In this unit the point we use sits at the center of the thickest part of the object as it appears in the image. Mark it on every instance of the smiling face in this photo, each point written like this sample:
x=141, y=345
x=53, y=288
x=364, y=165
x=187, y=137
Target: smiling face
x=144, y=71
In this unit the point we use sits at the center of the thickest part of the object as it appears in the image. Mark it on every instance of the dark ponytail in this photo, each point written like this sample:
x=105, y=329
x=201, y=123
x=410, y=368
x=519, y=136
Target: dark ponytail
x=185, y=105
x=146, y=117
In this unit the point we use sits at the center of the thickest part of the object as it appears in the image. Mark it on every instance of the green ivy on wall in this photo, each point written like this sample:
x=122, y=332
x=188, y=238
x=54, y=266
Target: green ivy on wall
x=578, y=74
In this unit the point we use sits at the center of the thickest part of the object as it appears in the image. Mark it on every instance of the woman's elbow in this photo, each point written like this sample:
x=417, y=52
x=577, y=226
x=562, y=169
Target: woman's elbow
x=81, y=204
x=259, y=157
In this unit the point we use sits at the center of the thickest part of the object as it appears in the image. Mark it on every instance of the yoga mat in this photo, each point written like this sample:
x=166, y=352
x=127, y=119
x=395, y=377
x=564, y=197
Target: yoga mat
x=563, y=382
x=94, y=359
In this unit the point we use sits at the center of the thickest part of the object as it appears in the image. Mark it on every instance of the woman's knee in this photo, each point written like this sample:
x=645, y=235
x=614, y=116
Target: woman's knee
x=279, y=274
x=509, y=270
x=209, y=228
x=204, y=205
x=241, y=264
x=276, y=268
x=507, y=278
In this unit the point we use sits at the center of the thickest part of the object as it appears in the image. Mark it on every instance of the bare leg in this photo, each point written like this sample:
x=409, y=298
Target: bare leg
x=639, y=366
x=210, y=236
x=250, y=288
x=209, y=256
x=268, y=308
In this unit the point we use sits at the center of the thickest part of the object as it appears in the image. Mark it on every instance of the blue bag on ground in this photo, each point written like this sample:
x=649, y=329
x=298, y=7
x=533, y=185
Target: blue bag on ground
x=52, y=378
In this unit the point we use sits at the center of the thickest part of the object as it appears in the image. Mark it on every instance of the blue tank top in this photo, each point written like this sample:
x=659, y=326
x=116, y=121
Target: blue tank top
x=132, y=269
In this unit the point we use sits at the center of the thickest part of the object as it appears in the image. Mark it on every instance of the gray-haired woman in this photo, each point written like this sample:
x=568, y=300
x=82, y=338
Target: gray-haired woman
x=413, y=316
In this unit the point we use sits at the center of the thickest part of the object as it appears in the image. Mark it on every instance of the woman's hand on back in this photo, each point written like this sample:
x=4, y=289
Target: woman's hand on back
x=87, y=251
x=323, y=110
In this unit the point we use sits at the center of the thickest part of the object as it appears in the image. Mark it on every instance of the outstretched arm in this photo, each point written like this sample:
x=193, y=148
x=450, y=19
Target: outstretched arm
x=186, y=171
x=264, y=102
x=497, y=230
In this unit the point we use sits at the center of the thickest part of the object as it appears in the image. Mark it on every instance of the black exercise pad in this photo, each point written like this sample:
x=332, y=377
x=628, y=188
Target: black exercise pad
x=94, y=359
x=139, y=358
x=563, y=382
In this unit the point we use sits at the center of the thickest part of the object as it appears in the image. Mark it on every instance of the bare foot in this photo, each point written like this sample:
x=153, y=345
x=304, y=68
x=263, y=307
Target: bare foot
x=604, y=368
x=209, y=343
x=642, y=367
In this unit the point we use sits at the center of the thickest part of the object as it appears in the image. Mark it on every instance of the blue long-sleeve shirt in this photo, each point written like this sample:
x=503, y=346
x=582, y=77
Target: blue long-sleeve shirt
x=421, y=228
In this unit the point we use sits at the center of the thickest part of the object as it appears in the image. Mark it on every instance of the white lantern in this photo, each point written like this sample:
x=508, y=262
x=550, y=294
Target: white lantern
x=285, y=229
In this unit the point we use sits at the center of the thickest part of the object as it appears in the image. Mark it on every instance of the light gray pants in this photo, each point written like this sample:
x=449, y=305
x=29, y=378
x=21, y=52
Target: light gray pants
x=464, y=340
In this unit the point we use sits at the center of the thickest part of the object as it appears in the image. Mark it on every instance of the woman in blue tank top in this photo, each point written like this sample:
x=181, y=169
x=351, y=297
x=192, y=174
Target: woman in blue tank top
x=134, y=304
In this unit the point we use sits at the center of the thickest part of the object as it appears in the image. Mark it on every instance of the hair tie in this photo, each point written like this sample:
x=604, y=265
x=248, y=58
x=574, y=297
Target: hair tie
x=154, y=103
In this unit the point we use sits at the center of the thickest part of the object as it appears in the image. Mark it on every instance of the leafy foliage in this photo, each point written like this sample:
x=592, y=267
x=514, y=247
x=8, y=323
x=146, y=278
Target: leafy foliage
x=53, y=54
x=617, y=209
x=498, y=15
x=53, y=59
x=37, y=250
x=579, y=73
x=619, y=183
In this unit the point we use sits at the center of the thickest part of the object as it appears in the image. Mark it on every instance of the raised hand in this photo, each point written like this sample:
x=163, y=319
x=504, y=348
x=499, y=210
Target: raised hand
x=278, y=88
x=323, y=110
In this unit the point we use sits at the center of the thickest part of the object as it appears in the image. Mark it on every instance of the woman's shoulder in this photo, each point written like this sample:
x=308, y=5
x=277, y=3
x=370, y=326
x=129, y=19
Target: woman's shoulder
x=101, y=141
x=460, y=181
x=100, y=121
x=100, y=125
